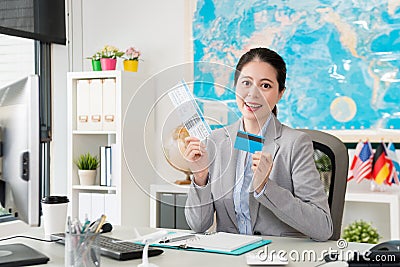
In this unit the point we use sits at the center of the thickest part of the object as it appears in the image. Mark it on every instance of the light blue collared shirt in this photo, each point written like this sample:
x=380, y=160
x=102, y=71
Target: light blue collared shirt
x=244, y=175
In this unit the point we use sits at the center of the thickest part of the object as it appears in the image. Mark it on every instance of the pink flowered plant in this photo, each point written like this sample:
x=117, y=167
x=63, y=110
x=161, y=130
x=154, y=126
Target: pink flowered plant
x=132, y=53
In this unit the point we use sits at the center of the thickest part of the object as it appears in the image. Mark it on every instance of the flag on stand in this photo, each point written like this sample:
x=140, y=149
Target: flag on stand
x=355, y=158
x=362, y=163
x=391, y=151
x=382, y=166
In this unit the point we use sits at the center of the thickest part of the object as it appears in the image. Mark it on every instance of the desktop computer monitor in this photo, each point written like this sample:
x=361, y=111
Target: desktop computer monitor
x=19, y=178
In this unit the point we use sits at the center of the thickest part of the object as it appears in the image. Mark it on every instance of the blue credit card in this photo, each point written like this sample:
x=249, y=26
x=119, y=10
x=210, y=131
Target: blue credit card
x=249, y=142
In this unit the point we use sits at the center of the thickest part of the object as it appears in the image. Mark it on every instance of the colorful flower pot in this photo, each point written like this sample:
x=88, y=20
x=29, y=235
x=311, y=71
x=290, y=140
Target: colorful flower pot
x=96, y=65
x=108, y=63
x=131, y=65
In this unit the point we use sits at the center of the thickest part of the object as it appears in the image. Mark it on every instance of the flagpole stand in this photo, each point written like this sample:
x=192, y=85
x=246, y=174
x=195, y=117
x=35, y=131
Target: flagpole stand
x=377, y=187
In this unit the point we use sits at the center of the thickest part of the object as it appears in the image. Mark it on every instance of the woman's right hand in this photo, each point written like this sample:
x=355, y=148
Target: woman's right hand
x=196, y=155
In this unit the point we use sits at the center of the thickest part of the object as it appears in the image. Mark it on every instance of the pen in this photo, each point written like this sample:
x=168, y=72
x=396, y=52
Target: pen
x=102, y=220
x=184, y=246
x=175, y=239
x=69, y=225
x=78, y=226
x=85, y=226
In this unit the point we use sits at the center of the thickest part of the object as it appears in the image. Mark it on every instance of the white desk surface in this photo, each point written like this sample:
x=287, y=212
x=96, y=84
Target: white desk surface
x=175, y=258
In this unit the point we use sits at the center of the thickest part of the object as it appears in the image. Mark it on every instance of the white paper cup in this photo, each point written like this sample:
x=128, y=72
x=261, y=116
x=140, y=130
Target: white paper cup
x=54, y=210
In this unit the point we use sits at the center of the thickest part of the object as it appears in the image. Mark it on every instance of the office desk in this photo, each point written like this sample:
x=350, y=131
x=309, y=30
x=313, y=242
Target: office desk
x=176, y=258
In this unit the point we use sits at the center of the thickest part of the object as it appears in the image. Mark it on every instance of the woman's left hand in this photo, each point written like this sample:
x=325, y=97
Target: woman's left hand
x=262, y=166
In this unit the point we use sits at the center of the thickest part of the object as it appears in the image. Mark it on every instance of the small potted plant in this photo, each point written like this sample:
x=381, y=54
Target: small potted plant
x=109, y=55
x=131, y=61
x=361, y=232
x=96, y=65
x=87, y=168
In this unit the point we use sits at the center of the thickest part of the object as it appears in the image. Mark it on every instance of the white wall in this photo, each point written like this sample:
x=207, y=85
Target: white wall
x=160, y=29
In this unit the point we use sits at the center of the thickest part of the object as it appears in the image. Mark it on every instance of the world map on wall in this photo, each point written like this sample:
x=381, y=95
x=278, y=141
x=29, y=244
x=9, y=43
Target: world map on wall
x=342, y=57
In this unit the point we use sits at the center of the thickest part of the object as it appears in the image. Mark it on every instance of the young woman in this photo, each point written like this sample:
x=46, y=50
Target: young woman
x=276, y=191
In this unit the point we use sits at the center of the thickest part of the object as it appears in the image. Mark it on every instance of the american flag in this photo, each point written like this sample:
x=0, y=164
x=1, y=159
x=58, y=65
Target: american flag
x=355, y=158
x=363, y=166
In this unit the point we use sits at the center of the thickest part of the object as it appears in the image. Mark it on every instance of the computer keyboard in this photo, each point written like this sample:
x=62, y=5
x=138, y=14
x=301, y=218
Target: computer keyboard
x=116, y=248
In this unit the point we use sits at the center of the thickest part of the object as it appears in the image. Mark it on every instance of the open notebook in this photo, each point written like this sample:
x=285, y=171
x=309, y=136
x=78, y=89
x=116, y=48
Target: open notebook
x=221, y=242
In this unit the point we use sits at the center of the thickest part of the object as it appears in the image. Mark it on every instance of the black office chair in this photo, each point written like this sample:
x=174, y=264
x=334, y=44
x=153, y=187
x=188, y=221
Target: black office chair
x=332, y=161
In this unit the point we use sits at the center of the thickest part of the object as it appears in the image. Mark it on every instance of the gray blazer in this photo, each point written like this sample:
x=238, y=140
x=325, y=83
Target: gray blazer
x=294, y=202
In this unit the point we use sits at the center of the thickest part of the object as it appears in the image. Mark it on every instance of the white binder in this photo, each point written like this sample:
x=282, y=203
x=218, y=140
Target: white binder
x=108, y=166
x=103, y=166
x=115, y=177
x=96, y=105
x=82, y=105
x=109, y=105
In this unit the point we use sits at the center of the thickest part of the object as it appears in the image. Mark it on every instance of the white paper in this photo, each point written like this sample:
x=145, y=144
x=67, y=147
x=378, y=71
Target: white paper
x=223, y=241
x=191, y=116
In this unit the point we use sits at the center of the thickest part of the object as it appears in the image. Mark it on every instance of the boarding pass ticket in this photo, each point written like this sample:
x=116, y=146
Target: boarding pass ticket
x=189, y=112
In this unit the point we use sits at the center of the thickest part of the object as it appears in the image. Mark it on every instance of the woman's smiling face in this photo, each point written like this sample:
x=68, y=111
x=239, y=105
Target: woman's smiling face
x=257, y=91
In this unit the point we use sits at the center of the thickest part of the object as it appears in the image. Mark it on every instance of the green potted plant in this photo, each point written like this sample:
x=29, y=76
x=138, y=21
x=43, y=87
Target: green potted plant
x=87, y=168
x=96, y=65
x=361, y=232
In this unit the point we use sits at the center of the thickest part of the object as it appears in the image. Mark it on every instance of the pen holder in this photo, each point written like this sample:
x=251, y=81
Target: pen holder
x=82, y=250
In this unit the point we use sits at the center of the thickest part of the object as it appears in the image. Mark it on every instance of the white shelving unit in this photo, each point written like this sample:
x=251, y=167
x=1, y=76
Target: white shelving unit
x=130, y=168
x=389, y=198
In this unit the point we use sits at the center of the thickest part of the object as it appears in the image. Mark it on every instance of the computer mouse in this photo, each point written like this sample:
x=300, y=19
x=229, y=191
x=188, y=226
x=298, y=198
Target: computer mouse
x=334, y=256
x=107, y=227
x=393, y=245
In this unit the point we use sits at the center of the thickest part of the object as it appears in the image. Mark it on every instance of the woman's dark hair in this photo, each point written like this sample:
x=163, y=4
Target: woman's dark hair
x=268, y=56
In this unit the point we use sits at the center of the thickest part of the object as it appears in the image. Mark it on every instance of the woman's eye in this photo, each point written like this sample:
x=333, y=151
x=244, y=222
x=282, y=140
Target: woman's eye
x=265, y=86
x=246, y=83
